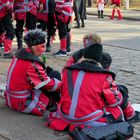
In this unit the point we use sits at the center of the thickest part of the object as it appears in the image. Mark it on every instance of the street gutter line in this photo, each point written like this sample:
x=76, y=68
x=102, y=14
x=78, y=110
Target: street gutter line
x=116, y=46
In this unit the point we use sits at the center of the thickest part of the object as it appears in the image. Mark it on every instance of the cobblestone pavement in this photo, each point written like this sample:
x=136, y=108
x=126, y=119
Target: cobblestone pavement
x=126, y=64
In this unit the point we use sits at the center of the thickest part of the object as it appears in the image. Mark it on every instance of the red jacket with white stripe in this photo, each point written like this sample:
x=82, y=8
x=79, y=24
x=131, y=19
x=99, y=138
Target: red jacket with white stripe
x=21, y=7
x=88, y=93
x=6, y=6
x=116, y=2
x=48, y=8
x=64, y=7
x=26, y=77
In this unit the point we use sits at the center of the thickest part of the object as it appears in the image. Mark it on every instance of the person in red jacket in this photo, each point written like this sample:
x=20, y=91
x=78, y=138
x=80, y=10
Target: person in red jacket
x=116, y=6
x=89, y=96
x=25, y=15
x=64, y=13
x=31, y=87
x=127, y=108
x=46, y=18
x=6, y=27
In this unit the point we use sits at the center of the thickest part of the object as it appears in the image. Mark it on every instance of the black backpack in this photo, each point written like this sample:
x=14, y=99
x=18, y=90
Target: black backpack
x=115, y=131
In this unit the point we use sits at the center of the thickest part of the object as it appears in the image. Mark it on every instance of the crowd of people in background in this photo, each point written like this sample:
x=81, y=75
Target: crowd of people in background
x=48, y=15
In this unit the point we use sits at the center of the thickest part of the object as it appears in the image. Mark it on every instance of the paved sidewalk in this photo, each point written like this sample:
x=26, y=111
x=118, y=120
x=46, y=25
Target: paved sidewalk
x=127, y=14
x=18, y=126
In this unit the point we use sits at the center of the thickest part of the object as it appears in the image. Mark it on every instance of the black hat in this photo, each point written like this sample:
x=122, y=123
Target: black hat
x=34, y=37
x=93, y=51
x=106, y=60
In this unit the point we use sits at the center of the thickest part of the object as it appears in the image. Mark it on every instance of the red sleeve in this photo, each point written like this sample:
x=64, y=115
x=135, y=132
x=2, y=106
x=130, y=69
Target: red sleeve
x=111, y=93
x=39, y=78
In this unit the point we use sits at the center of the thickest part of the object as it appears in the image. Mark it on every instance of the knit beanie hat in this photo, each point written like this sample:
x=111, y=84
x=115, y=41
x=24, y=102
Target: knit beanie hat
x=90, y=39
x=35, y=37
x=106, y=60
x=93, y=51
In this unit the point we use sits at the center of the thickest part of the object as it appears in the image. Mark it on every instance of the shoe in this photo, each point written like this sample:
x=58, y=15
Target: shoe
x=136, y=117
x=111, y=17
x=60, y=53
x=68, y=52
x=8, y=55
x=120, y=18
x=82, y=25
x=78, y=26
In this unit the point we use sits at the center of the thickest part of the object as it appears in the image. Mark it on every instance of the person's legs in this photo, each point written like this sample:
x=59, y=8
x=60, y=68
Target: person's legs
x=2, y=36
x=51, y=29
x=8, y=36
x=62, y=28
x=119, y=13
x=113, y=13
x=19, y=32
x=128, y=110
x=54, y=97
x=31, y=21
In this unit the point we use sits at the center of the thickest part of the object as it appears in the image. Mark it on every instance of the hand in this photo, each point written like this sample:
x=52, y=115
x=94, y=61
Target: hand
x=77, y=55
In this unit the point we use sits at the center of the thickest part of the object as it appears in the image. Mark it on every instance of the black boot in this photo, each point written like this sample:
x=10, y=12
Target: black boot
x=83, y=24
x=102, y=12
x=77, y=26
x=99, y=16
x=48, y=44
x=19, y=36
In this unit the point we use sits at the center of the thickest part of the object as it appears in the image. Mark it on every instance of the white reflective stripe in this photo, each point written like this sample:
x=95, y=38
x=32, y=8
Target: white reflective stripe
x=92, y=122
x=8, y=101
x=76, y=93
x=113, y=105
x=18, y=92
x=42, y=83
x=55, y=85
x=18, y=97
x=66, y=13
x=8, y=81
x=10, y=72
x=34, y=102
x=95, y=123
x=121, y=113
x=59, y=1
x=6, y=4
x=68, y=4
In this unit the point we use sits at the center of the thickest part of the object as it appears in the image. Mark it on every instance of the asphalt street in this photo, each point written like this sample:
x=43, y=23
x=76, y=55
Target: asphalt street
x=120, y=38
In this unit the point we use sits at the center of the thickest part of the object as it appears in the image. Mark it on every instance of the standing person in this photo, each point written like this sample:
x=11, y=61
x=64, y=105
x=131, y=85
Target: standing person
x=64, y=13
x=32, y=90
x=116, y=6
x=86, y=103
x=100, y=6
x=79, y=8
x=25, y=14
x=6, y=27
x=89, y=3
x=47, y=20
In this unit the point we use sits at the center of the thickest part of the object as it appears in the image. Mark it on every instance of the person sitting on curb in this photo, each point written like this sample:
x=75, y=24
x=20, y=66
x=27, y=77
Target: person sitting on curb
x=30, y=85
x=126, y=106
x=89, y=96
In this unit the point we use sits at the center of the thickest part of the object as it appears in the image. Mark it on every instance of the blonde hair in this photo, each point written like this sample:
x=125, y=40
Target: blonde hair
x=91, y=38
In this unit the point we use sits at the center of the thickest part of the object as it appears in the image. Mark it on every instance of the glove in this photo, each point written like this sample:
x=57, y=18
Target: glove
x=49, y=69
x=77, y=55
